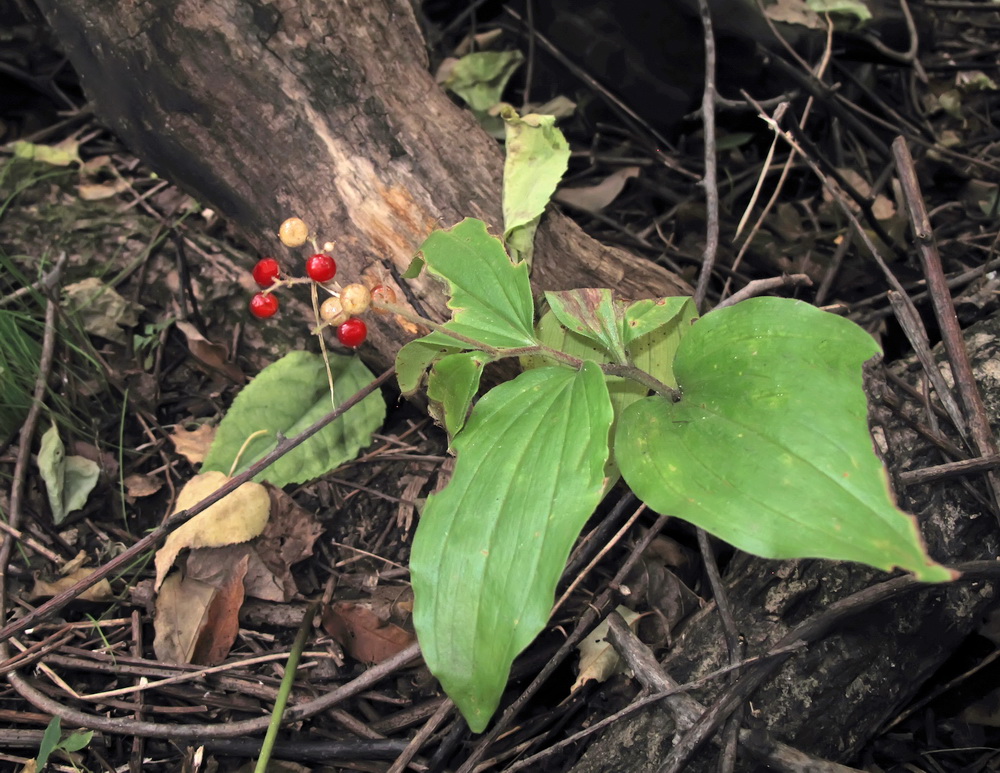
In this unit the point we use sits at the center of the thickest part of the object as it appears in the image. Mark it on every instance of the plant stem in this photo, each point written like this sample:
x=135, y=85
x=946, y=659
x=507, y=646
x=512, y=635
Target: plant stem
x=285, y=689
x=611, y=368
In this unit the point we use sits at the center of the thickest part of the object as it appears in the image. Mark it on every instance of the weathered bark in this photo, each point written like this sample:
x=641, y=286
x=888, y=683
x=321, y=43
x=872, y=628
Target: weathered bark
x=322, y=110
x=832, y=698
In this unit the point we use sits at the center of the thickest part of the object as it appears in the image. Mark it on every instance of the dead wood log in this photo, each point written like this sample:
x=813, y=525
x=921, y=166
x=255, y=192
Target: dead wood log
x=322, y=110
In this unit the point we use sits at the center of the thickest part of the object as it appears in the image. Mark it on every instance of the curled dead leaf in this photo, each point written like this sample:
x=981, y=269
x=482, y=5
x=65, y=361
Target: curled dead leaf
x=101, y=591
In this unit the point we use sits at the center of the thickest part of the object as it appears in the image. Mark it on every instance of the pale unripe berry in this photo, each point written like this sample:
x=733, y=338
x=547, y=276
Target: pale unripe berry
x=356, y=299
x=293, y=232
x=332, y=311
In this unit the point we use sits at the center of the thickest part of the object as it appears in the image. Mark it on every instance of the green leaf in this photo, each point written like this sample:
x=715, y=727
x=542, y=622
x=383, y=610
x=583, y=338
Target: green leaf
x=287, y=397
x=414, y=358
x=654, y=350
x=453, y=382
x=50, y=741
x=490, y=296
x=68, y=479
x=63, y=154
x=769, y=447
x=537, y=159
x=645, y=316
x=490, y=547
x=76, y=741
x=854, y=8
x=592, y=313
x=480, y=78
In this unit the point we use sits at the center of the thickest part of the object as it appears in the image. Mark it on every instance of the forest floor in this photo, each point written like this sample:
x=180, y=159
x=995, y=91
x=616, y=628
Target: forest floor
x=140, y=291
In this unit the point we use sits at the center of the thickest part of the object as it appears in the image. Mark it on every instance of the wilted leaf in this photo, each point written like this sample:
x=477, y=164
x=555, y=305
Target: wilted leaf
x=100, y=309
x=194, y=444
x=289, y=537
x=197, y=621
x=68, y=479
x=213, y=355
x=362, y=634
x=480, y=79
x=99, y=191
x=537, y=159
x=855, y=8
x=238, y=517
x=598, y=659
x=101, y=591
x=138, y=485
x=287, y=397
x=594, y=198
x=62, y=154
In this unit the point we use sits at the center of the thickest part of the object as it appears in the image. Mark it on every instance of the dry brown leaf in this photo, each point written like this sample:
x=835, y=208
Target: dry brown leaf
x=362, y=634
x=239, y=517
x=98, y=191
x=598, y=659
x=289, y=538
x=212, y=355
x=594, y=198
x=193, y=445
x=197, y=621
x=139, y=485
x=101, y=591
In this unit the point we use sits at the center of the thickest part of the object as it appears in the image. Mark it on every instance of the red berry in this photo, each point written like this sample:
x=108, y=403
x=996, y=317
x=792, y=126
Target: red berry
x=266, y=271
x=383, y=294
x=321, y=268
x=352, y=333
x=263, y=306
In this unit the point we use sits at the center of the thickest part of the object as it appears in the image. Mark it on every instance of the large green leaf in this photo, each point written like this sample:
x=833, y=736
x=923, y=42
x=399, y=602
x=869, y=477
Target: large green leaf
x=490, y=296
x=491, y=546
x=537, y=158
x=286, y=398
x=769, y=447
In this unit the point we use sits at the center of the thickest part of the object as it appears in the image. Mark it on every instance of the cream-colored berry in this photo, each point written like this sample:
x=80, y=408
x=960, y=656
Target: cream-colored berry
x=356, y=299
x=293, y=232
x=332, y=311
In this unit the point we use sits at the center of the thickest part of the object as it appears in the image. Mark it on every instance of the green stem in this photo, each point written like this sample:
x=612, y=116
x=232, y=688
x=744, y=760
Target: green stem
x=285, y=690
x=611, y=368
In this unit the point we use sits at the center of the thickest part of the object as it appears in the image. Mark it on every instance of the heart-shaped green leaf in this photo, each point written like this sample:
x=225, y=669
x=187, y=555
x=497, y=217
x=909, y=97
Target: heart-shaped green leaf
x=491, y=546
x=769, y=447
x=490, y=296
x=287, y=397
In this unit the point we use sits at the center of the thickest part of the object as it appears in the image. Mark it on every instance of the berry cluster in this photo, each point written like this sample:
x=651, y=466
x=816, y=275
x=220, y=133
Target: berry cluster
x=340, y=309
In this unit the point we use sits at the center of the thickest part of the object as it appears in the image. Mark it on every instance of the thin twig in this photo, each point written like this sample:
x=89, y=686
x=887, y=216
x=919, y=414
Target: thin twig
x=421, y=737
x=761, y=286
x=710, y=181
x=944, y=311
x=152, y=539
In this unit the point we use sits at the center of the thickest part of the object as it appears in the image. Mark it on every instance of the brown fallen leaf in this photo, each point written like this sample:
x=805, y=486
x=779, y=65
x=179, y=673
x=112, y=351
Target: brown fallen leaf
x=288, y=538
x=362, y=634
x=239, y=517
x=193, y=444
x=594, y=198
x=197, y=621
x=212, y=355
x=98, y=592
x=98, y=191
x=139, y=485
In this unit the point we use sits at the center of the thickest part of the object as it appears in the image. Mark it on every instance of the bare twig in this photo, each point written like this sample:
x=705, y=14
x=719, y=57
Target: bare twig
x=421, y=737
x=710, y=181
x=152, y=539
x=944, y=311
x=760, y=286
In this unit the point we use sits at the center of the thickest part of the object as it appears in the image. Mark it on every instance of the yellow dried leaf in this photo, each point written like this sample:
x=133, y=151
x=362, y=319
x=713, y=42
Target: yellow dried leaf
x=193, y=445
x=101, y=591
x=238, y=517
